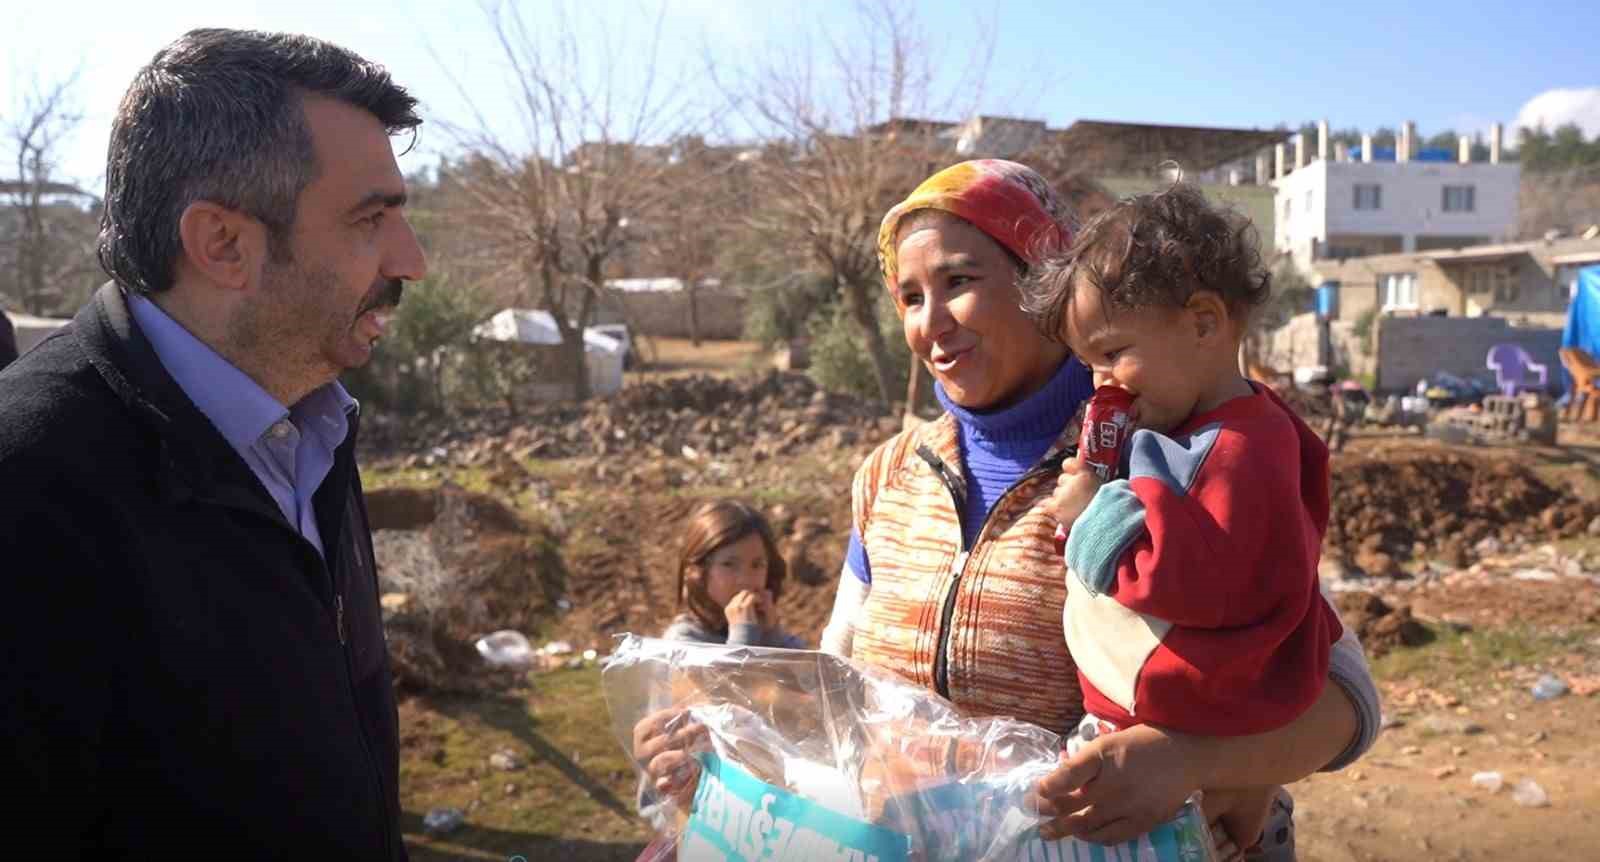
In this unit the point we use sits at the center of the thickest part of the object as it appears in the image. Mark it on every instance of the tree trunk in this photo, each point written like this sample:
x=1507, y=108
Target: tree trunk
x=913, y=393
x=861, y=308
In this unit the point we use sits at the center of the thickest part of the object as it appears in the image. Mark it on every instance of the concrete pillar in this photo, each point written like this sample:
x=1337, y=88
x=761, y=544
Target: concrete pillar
x=1299, y=150
x=1262, y=165
x=1494, y=144
x=1322, y=140
x=1341, y=152
x=1366, y=148
x=1277, y=162
x=1403, y=147
x=1464, y=150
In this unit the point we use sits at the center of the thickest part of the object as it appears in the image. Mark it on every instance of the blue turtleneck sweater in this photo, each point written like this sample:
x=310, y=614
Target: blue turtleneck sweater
x=998, y=446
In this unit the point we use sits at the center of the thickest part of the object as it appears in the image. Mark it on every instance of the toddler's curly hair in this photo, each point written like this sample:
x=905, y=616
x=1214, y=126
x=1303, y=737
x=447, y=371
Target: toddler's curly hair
x=1153, y=250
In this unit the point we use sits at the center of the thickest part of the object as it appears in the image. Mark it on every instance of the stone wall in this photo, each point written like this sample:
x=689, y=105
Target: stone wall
x=1411, y=348
x=665, y=313
x=1303, y=342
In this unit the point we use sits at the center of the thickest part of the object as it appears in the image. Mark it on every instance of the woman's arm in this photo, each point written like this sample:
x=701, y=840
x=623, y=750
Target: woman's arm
x=1121, y=785
x=839, y=635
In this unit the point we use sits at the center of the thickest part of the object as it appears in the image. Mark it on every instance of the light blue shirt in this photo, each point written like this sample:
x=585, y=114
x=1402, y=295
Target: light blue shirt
x=289, y=449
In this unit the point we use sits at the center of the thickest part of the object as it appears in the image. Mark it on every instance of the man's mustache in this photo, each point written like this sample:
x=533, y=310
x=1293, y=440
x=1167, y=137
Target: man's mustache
x=385, y=294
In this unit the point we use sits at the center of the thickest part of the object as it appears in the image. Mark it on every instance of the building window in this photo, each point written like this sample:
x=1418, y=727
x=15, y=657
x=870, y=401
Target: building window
x=1498, y=281
x=1459, y=199
x=1369, y=196
x=1399, y=290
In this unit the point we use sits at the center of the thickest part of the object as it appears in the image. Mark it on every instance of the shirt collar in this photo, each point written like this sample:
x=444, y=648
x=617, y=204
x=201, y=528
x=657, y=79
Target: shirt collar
x=236, y=404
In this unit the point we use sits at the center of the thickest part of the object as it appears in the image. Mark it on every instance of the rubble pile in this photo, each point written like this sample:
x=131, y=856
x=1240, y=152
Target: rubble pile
x=691, y=417
x=1443, y=507
x=1380, y=627
x=453, y=566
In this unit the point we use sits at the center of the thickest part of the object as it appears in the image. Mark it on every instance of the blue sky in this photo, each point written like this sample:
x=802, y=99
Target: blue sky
x=1237, y=64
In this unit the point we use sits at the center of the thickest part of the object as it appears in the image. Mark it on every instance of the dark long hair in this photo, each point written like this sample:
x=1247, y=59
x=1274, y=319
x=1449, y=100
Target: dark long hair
x=713, y=526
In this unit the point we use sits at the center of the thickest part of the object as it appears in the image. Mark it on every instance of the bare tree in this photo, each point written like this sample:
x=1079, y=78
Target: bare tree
x=46, y=227
x=844, y=143
x=552, y=207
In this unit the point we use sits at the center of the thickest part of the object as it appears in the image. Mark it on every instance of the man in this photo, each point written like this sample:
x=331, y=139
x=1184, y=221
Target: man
x=195, y=658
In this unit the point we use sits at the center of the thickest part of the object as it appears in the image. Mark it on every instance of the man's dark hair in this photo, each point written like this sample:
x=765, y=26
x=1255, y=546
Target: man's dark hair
x=218, y=116
x=1153, y=250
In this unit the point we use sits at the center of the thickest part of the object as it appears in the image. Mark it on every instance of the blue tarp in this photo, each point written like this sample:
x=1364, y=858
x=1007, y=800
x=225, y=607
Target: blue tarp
x=1583, y=319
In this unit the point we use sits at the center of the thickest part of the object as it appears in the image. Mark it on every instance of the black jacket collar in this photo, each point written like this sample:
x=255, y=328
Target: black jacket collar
x=195, y=459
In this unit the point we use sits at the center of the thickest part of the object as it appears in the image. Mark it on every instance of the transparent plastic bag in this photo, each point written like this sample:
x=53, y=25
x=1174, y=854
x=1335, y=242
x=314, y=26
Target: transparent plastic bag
x=810, y=756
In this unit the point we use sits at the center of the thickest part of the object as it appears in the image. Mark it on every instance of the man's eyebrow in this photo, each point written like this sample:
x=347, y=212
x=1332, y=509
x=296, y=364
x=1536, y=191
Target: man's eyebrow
x=374, y=198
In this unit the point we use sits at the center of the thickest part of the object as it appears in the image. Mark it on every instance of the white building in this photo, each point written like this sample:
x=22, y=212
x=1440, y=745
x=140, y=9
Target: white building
x=1375, y=202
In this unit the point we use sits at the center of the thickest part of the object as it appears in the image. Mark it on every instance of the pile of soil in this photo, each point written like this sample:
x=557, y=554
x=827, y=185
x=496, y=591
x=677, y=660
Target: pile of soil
x=695, y=417
x=1380, y=627
x=1391, y=508
x=454, y=566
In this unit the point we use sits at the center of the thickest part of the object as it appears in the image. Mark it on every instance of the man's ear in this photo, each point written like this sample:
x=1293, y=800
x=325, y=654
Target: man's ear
x=1209, y=314
x=222, y=244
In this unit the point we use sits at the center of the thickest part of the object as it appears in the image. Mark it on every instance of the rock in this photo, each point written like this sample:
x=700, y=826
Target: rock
x=394, y=603
x=1450, y=724
x=505, y=760
x=1594, y=526
x=1529, y=794
x=1490, y=781
x=443, y=821
x=1444, y=772
x=1549, y=687
x=1378, y=564
x=1411, y=749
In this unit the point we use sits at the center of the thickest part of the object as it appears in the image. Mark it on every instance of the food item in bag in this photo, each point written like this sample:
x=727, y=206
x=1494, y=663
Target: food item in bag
x=811, y=756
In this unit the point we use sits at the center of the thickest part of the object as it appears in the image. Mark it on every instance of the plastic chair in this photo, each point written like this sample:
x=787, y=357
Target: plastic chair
x=1585, y=391
x=1512, y=367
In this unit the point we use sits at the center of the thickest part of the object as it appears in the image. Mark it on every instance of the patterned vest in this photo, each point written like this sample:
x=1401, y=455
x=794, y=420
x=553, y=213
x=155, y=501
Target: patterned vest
x=981, y=625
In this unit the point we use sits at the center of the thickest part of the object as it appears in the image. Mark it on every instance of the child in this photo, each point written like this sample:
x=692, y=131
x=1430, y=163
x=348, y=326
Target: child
x=730, y=574
x=1192, y=599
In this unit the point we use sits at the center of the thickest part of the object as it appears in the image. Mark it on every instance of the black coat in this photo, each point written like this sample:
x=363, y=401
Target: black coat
x=182, y=671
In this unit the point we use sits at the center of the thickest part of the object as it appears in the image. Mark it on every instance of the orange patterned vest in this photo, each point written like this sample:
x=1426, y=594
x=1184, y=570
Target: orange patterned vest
x=981, y=625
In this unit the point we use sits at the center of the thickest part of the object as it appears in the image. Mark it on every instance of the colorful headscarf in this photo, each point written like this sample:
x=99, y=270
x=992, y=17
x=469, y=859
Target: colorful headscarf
x=1009, y=202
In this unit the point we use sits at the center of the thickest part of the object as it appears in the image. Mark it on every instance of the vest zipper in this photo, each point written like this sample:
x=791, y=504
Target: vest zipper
x=941, y=662
x=338, y=616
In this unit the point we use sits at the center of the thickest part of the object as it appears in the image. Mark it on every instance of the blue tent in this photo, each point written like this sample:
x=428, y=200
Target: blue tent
x=1583, y=319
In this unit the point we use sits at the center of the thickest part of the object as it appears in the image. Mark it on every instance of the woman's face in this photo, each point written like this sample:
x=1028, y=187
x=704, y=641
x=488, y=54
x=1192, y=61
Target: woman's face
x=958, y=290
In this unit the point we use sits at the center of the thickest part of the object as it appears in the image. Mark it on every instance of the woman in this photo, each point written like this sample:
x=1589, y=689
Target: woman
x=952, y=579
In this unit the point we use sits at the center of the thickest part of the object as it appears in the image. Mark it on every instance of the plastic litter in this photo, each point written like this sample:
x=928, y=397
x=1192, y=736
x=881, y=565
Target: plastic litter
x=556, y=648
x=443, y=821
x=810, y=756
x=1490, y=781
x=1529, y=794
x=1549, y=687
x=505, y=648
x=590, y=655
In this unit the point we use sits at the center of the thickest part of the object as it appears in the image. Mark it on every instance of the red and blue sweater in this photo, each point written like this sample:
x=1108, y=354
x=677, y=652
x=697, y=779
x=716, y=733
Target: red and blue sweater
x=1193, y=600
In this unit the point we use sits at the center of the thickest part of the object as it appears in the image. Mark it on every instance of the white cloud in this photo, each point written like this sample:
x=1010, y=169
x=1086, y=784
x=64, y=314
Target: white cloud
x=1555, y=108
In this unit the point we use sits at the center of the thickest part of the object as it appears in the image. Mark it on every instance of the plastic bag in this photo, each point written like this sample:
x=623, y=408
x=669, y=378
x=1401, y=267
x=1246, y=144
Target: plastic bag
x=810, y=756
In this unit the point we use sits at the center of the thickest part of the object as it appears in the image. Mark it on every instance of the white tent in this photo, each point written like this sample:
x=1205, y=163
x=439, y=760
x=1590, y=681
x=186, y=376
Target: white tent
x=602, y=353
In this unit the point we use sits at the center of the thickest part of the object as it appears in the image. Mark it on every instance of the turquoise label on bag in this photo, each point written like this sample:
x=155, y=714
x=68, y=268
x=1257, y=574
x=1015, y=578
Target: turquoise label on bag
x=736, y=816
x=963, y=821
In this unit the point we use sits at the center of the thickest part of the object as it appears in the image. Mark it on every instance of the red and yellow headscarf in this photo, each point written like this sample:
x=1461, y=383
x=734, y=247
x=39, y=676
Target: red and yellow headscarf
x=1008, y=201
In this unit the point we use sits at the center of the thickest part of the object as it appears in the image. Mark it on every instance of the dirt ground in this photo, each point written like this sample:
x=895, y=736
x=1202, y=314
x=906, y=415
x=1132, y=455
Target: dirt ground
x=1498, y=596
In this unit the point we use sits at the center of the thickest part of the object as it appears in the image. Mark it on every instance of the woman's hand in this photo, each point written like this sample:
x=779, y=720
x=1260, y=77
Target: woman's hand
x=663, y=742
x=1074, y=489
x=744, y=608
x=1119, y=786
x=1241, y=812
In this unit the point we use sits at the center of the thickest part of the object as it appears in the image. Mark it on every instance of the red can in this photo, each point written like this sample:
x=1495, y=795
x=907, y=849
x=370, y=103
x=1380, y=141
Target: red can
x=1106, y=424
x=1107, y=421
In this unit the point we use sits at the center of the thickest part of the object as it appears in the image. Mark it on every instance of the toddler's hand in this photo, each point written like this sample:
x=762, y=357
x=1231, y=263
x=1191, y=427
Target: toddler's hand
x=1074, y=489
x=769, y=609
x=744, y=608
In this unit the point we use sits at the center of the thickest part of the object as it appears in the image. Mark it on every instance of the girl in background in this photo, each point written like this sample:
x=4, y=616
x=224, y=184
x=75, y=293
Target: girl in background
x=729, y=576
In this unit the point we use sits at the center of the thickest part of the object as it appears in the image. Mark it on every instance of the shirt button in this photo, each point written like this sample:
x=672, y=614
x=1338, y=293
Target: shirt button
x=280, y=430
